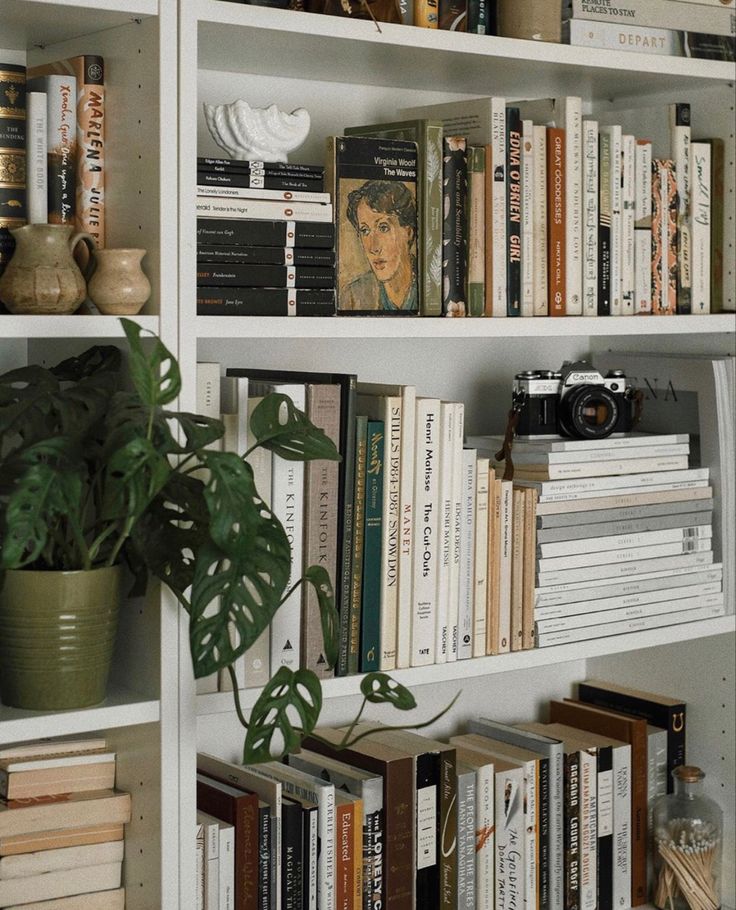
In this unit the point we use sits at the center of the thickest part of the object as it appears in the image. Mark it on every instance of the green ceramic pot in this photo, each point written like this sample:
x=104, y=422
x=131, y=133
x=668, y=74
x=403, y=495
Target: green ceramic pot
x=57, y=633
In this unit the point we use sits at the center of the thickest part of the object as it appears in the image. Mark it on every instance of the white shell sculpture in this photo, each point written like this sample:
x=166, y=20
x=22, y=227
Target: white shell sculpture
x=256, y=133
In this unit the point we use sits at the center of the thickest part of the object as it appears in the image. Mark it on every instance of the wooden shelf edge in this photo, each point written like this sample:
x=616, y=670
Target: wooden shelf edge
x=222, y=702
x=122, y=708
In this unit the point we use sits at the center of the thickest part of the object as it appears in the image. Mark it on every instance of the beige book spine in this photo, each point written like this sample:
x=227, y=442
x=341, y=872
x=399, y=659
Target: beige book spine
x=50, y=781
x=517, y=570
x=97, y=900
x=94, y=808
x=64, y=883
x=530, y=550
x=42, y=861
x=494, y=566
x=480, y=601
x=59, y=838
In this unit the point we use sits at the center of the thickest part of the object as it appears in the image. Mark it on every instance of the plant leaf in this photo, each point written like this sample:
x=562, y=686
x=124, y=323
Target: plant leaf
x=279, y=426
x=135, y=474
x=379, y=688
x=319, y=578
x=199, y=431
x=92, y=362
x=288, y=693
x=156, y=376
x=237, y=513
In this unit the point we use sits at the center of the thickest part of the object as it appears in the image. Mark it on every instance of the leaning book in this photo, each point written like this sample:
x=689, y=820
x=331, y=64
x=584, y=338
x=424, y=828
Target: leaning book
x=374, y=187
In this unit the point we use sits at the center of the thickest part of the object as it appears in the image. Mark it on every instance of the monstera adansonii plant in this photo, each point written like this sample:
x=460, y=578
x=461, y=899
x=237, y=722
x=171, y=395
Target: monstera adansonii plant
x=95, y=470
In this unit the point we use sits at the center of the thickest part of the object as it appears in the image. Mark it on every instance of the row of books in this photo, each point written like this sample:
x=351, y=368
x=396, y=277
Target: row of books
x=52, y=147
x=546, y=814
x=61, y=826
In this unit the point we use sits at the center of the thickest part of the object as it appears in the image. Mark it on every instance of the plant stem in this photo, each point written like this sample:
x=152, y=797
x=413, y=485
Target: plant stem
x=426, y=723
x=236, y=696
x=355, y=721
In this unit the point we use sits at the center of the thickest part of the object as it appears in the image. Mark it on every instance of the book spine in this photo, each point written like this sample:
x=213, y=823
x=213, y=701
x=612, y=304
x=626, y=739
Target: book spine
x=430, y=213
x=485, y=839
x=617, y=557
x=622, y=784
x=590, y=218
x=291, y=856
x=613, y=542
x=529, y=564
x=453, y=15
x=469, y=471
x=544, y=844
x=654, y=13
x=407, y=526
x=604, y=224
x=466, y=797
x=604, y=803
x=12, y=156
x=373, y=513
x=680, y=137
x=480, y=596
x=200, y=866
x=513, y=211
x=504, y=597
x=664, y=238
x=226, y=870
x=311, y=847
x=225, y=231
x=229, y=165
x=426, y=549
x=589, y=830
x=266, y=897
x=454, y=231
x=207, y=179
x=528, y=211
x=539, y=257
x=296, y=197
x=320, y=521
x=616, y=219
x=573, y=206
x=36, y=155
x=266, y=276
x=391, y=533
x=517, y=570
x=61, y=94
x=344, y=856
x=264, y=255
x=260, y=209
x=478, y=16
x=628, y=198
x=556, y=207
x=426, y=13
x=643, y=227
x=509, y=797
x=455, y=552
x=717, y=221
x=351, y=623
x=642, y=39
x=498, y=205
x=700, y=234
x=426, y=860
x=445, y=521
x=572, y=833
x=89, y=71
x=240, y=301
x=447, y=832
x=476, y=231
x=494, y=569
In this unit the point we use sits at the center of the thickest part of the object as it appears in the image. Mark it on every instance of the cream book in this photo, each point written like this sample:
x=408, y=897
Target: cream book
x=44, y=861
x=51, y=748
x=63, y=883
x=73, y=810
x=59, y=838
x=28, y=778
x=99, y=900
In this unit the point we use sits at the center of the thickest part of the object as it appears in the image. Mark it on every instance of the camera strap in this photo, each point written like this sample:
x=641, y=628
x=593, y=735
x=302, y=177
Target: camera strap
x=638, y=397
x=508, y=440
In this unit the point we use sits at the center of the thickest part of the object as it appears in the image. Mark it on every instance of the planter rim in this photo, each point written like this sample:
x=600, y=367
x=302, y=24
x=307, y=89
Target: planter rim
x=47, y=572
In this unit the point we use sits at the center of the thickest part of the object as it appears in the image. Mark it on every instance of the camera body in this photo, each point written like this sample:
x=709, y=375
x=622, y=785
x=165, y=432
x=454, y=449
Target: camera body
x=577, y=402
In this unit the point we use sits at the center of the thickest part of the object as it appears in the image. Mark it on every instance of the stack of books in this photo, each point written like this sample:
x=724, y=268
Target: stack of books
x=61, y=826
x=624, y=535
x=265, y=240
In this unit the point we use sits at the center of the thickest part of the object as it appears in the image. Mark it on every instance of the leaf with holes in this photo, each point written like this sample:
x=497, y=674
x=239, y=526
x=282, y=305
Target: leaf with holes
x=155, y=375
x=279, y=426
x=237, y=512
x=319, y=578
x=379, y=688
x=289, y=705
x=135, y=474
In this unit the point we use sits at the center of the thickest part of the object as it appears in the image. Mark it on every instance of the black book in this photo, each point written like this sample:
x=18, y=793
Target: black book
x=248, y=179
x=264, y=856
x=269, y=167
x=346, y=471
x=247, y=232
x=236, y=301
x=309, y=856
x=513, y=211
x=291, y=855
x=264, y=255
x=544, y=833
x=265, y=276
x=12, y=156
x=572, y=832
x=454, y=225
x=605, y=836
x=604, y=225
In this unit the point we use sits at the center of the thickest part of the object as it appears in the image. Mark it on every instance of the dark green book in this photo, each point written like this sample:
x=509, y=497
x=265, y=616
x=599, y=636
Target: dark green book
x=428, y=136
x=370, y=626
x=349, y=660
x=12, y=156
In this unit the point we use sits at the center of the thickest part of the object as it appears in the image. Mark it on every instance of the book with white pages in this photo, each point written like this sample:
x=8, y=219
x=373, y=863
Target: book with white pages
x=690, y=492
x=492, y=444
x=668, y=598
x=608, y=468
x=484, y=826
x=624, y=569
x=629, y=526
x=42, y=861
x=446, y=527
x=625, y=555
x=611, y=542
x=627, y=513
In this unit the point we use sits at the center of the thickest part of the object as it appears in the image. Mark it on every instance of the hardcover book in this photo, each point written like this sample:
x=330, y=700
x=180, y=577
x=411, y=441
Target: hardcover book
x=12, y=156
x=454, y=225
x=370, y=632
x=700, y=18
x=373, y=183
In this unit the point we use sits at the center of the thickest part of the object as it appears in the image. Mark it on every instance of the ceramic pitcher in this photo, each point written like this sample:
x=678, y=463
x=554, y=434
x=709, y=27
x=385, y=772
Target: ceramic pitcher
x=118, y=286
x=42, y=277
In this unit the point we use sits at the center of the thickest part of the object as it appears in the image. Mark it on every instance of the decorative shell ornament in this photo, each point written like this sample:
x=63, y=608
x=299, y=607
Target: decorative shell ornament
x=256, y=133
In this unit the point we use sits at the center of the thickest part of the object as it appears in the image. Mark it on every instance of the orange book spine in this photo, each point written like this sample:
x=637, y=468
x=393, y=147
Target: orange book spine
x=556, y=220
x=426, y=13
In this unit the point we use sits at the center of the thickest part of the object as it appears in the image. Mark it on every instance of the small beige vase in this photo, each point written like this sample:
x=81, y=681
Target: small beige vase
x=118, y=286
x=42, y=276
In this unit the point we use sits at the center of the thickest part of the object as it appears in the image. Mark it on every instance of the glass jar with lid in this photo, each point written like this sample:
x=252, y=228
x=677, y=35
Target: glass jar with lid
x=687, y=831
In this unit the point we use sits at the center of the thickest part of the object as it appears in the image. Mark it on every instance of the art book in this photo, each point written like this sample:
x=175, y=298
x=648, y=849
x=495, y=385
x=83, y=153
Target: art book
x=374, y=190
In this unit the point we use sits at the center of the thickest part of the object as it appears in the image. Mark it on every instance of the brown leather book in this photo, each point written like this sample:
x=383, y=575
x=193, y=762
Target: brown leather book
x=632, y=730
x=556, y=220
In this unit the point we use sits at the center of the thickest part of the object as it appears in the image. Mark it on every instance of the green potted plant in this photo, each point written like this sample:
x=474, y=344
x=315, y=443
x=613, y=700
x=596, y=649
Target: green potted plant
x=94, y=475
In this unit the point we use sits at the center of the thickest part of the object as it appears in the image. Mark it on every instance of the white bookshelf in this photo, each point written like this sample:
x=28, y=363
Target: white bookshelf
x=166, y=57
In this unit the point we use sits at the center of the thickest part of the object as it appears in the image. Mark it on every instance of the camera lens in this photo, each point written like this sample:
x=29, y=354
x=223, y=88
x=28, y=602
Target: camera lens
x=589, y=412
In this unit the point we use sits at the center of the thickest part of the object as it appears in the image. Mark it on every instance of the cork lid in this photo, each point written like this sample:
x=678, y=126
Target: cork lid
x=688, y=773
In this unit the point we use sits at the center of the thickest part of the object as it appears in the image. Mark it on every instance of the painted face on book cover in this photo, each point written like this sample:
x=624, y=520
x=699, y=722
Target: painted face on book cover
x=386, y=243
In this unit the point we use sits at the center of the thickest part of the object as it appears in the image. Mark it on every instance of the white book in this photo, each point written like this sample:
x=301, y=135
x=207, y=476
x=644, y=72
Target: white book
x=622, y=787
x=527, y=218
x=490, y=444
x=670, y=486
x=199, y=866
x=42, y=861
x=287, y=503
x=62, y=883
x=43, y=763
x=655, y=12
x=242, y=192
x=616, y=143
x=628, y=197
x=517, y=570
x=266, y=788
x=506, y=520
x=700, y=232
x=616, y=482
x=446, y=527
x=480, y=597
x=629, y=625
x=611, y=571
x=454, y=599
x=234, y=392
x=668, y=580
x=530, y=456
x=510, y=821
x=260, y=209
x=645, y=40
x=690, y=493
x=590, y=218
x=485, y=840
x=469, y=472
x=52, y=748
x=211, y=831
x=679, y=121
x=311, y=787
x=97, y=900
x=539, y=226
x=604, y=468
x=643, y=227
x=36, y=158
x=590, y=608
x=614, y=542
x=616, y=557
x=226, y=873
x=426, y=539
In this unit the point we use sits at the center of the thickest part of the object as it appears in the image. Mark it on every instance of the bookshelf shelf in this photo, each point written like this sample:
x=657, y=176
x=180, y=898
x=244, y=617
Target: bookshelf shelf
x=481, y=667
x=121, y=708
x=386, y=327
x=66, y=326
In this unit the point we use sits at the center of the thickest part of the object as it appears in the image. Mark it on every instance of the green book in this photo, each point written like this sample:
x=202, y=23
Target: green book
x=351, y=632
x=428, y=136
x=370, y=624
x=476, y=232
